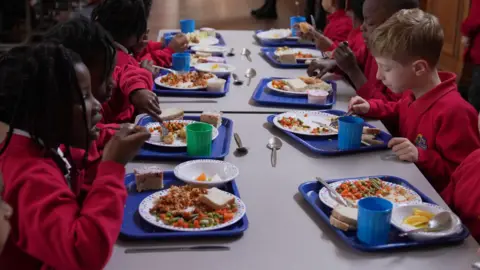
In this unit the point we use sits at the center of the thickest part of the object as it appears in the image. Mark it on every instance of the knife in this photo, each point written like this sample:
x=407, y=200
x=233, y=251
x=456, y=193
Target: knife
x=173, y=249
x=334, y=193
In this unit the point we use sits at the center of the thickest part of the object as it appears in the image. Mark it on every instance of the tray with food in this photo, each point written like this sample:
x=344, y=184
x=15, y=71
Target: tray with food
x=280, y=38
x=160, y=206
x=302, y=92
x=203, y=38
x=317, y=131
x=412, y=210
x=285, y=57
x=191, y=84
x=173, y=145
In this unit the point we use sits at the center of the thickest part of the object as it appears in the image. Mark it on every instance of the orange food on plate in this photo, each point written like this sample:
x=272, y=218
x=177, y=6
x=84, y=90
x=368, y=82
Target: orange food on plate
x=279, y=84
x=202, y=177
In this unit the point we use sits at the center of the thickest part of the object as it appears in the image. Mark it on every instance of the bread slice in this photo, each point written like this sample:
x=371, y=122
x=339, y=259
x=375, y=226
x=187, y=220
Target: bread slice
x=287, y=59
x=171, y=114
x=148, y=178
x=216, y=199
x=347, y=215
x=296, y=85
x=371, y=131
x=341, y=225
x=304, y=27
x=212, y=118
x=368, y=138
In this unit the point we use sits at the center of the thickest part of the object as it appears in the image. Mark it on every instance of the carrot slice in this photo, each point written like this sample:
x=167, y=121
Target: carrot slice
x=202, y=177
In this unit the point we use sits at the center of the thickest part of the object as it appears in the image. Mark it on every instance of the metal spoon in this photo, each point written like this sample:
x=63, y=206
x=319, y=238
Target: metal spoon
x=236, y=80
x=240, y=149
x=250, y=74
x=231, y=53
x=439, y=222
x=246, y=52
x=274, y=144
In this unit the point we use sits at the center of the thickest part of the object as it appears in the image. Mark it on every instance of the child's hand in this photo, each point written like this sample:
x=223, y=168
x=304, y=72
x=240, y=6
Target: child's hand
x=148, y=65
x=320, y=67
x=308, y=33
x=145, y=101
x=345, y=58
x=358, y=105
x=466, y=41
x=323, y=43
x=179, y=43
x=125, y=144
x=404, y=149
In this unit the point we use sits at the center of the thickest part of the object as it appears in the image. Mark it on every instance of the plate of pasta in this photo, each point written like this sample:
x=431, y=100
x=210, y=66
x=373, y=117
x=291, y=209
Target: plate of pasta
x=177, y=135
x=186, y=81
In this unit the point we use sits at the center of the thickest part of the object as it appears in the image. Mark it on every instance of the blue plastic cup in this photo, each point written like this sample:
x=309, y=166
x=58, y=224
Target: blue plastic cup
x=294, y=20
x=181, y=62
x=187, y=26
x=167, y=38
x=374, y=215
x=350, y=130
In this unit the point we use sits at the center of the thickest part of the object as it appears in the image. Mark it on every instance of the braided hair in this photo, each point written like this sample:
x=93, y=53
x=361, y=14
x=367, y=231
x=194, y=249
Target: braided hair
x=86, y=38
x=122, y=18
x=38, y=90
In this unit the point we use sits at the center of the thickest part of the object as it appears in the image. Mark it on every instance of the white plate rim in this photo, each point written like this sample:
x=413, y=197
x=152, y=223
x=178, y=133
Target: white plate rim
x=145, y=206
x=201, y=48
x=324, y=194
x=208, y=41
x=273, y=38
x=302, y=113
x=215, y=134
x=177, y=173
x=200, y=68
x=159, y=83
x=316, y=53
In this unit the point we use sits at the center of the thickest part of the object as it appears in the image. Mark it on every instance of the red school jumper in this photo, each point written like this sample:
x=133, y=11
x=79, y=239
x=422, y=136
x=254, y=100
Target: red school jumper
x=441, y=124
x=471, y=29
x=155, y=52
x=339, y=25
x=128, y=77
x=50, y=228
x=463, y=193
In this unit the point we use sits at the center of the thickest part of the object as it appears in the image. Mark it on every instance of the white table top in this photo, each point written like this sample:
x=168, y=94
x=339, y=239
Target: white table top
x=238, y=99
x=298, y=239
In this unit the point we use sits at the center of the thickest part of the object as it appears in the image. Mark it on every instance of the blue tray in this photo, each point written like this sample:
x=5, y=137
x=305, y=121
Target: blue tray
x=220, y=146
x=162, y=91
x=269, y=55
x=264, y=96
x=282, y=43
x=221, y=41
x=309, y=191
x=328, y=145
x=135, y=228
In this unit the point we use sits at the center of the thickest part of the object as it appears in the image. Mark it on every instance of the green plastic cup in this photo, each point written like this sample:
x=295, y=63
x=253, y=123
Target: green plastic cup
x=199, y=139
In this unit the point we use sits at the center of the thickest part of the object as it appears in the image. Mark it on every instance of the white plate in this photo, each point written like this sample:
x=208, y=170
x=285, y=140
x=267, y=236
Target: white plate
x=307, y=117
x=221, y=69
x=155, y=139
x=209, y=49
x=328, y=200
x=207, y=41
x=275, y=34
x=149, y=202
x=403, y=211
x=190, y=170
x=316, y=53
x=180, y=87
x=303, y=93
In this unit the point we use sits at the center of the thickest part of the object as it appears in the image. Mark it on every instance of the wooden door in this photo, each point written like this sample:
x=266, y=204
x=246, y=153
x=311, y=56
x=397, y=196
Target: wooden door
x=451, y=13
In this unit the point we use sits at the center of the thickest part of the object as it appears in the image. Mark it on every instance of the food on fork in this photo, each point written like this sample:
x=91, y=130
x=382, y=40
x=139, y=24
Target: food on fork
x=212, y=118
x=304, y=27
x=148, y=178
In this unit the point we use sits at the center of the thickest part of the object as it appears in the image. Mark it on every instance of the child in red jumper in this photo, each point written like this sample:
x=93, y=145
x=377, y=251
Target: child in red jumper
x=358, y=64
x=471, y=40
x=6, y=212
x=462, y=193
x=437, y=127
x=126, y=21
x=47, y=102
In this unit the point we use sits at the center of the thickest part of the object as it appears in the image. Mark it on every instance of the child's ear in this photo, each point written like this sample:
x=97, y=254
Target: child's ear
x=420, y=67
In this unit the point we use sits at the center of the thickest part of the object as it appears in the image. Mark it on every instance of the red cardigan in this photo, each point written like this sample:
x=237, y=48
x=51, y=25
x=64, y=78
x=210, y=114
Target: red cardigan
x=441, y=124
x=155, y=52
x=339, y=26
x=471, y=28
x=51, y=228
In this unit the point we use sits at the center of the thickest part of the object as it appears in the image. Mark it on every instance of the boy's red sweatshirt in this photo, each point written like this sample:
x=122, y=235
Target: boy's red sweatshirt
x=128, y=77
x=354, y=39
x=471, y=29
x=441, y=124
x=339, y=26
x=155, y=52
x=463, y=193
x=51, y=229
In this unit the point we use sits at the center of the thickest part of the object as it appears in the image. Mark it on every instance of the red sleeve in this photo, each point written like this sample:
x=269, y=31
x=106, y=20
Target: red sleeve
x=451, y=146
x=337, y=30
x=129, y=78
x=106, y=133
x=382, y=110
x=472, y=22
x=161, y=57
x=55, y=229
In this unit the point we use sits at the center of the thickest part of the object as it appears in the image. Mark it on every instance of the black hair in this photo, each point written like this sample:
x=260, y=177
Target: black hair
x=396, y=5
x=148, y=7
x=356, y=6
x=122, y=18
x=86, y=38
x=340, y=4
x=38, y=89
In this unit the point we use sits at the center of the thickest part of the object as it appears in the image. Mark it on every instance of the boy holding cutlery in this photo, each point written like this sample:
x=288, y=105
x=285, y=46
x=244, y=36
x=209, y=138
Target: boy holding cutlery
x=437, y=127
